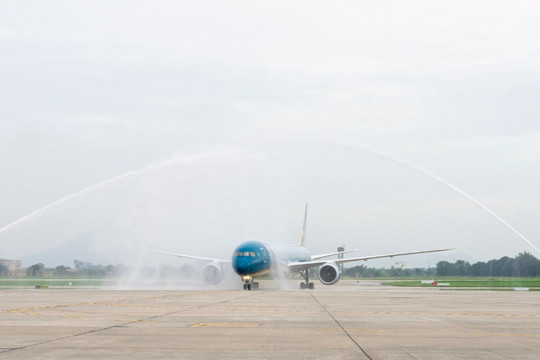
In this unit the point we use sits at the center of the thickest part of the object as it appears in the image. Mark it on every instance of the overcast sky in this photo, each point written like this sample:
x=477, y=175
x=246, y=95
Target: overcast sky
x=218, y=120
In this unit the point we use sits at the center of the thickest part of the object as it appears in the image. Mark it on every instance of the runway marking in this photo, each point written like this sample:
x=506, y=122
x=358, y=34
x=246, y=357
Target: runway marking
x=15, y=311
x=229, y=325
x=506, y=334
x=27, y=311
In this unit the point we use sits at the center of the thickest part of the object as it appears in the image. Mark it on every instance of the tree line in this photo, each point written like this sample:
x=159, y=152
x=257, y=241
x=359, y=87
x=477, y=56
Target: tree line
x=522, y=265
x=87, y=269
x=82, y=268
x=369, y=272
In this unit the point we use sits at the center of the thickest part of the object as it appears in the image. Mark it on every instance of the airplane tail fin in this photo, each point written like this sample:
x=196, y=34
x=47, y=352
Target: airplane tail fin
x=303, y=238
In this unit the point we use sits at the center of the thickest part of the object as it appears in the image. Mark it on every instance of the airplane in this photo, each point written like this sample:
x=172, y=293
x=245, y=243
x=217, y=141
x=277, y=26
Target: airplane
x=254, y=258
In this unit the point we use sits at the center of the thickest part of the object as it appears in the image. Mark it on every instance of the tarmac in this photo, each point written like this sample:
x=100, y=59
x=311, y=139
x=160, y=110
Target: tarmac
x=349, y=320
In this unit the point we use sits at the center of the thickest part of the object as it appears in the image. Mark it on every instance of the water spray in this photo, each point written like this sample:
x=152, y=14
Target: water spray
x=357, y=145
x=102, y=184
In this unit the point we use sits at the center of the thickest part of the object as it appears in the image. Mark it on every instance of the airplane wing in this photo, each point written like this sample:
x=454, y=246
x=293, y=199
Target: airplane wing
x=304, y=265
x=199, y=258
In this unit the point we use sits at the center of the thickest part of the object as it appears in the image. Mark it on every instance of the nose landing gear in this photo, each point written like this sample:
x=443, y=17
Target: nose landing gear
x=249, y=284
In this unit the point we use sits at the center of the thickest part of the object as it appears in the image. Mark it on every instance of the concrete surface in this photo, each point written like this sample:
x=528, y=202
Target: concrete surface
x=344, y=321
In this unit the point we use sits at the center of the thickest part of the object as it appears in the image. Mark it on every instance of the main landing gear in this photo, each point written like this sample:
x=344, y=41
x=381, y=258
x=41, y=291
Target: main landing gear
x=306, y=284
x=310, y=286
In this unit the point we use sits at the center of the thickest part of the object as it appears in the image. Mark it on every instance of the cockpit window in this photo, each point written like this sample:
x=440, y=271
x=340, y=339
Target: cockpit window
x=245, y=253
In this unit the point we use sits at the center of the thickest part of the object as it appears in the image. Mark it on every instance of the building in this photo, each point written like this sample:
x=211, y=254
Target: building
x=14, y=266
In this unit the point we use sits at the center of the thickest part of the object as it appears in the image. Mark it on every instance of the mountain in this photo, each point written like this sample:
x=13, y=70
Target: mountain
x=63, y=254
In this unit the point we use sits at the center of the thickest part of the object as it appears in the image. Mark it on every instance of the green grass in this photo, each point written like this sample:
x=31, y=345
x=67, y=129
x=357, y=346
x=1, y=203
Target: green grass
x=455, y=282
x=53, y=282
x=464, y=282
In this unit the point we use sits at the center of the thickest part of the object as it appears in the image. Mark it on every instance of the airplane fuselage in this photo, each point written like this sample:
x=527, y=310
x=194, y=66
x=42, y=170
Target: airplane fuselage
x=255, y=257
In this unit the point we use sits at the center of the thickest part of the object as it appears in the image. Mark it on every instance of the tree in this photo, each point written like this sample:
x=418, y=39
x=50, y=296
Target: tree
x=445, y=268
x=109, y=269
x=506, y=266
x=462, y=268
x=80, y=265
x=479, y=269
x=4, y=270
x=60, y=271
x=355, y=271
x=526, y=265
x=35, y=270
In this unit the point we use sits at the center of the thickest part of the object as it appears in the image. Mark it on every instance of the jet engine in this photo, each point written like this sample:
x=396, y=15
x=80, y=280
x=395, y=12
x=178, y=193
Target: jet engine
x=329, y=273
x=212, y=273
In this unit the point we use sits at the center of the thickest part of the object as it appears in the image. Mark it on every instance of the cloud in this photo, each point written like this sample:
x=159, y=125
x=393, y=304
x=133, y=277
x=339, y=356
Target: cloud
x=91, y=91
x=521, y=148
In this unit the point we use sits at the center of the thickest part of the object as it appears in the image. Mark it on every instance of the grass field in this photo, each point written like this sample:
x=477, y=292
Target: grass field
x=465, y=282
x=532, y=284
x=60, y=282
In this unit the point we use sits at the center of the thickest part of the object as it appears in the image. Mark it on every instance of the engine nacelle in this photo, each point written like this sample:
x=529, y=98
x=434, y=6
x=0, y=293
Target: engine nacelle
x=212, y=273
x=329, y=273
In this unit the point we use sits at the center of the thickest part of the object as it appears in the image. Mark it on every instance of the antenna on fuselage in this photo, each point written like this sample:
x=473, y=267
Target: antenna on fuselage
x=303, y=239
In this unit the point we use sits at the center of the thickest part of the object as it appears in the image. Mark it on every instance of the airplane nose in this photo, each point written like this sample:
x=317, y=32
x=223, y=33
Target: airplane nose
x=241, y=266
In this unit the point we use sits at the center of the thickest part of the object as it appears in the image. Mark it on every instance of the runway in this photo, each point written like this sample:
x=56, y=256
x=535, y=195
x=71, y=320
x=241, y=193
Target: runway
x=344, y=321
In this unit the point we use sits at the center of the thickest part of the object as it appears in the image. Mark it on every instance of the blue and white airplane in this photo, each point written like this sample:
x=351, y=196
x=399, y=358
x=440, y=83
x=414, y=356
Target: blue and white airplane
x=252, y=259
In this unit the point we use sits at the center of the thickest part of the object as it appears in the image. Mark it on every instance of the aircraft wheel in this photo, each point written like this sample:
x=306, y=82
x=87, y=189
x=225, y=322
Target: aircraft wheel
x=302, y=286
x=245, y=286
x=311, y=286
x=255, y=286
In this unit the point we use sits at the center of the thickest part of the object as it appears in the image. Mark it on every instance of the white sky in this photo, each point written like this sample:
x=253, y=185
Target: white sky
x=259, y=95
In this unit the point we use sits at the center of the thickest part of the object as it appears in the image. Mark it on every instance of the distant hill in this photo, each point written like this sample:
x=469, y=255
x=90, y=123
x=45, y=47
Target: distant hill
x=64, y=254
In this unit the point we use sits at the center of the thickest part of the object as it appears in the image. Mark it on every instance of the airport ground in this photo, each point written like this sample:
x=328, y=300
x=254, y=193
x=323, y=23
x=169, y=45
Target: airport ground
x=350, y=320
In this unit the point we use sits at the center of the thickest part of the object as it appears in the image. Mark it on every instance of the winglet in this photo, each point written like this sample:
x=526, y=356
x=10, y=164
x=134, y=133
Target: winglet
x=303, y=238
